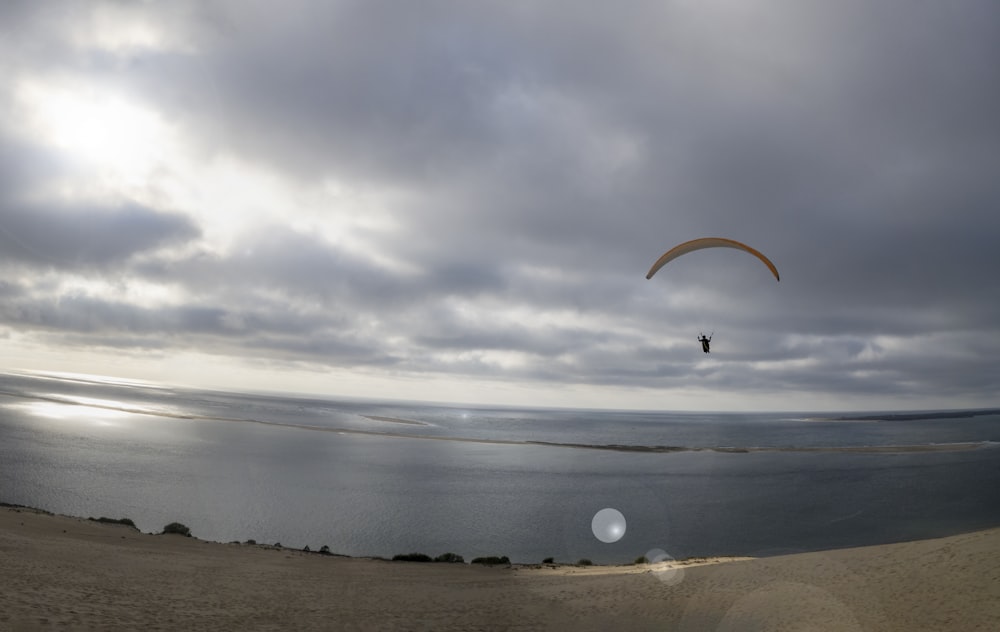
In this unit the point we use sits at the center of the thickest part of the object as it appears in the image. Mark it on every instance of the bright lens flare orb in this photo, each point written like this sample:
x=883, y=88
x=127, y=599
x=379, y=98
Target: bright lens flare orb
x=608, y=525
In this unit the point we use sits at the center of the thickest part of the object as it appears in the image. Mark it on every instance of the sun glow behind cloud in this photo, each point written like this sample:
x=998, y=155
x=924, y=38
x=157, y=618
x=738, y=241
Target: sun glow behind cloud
x=120, y=149
x=112, y=138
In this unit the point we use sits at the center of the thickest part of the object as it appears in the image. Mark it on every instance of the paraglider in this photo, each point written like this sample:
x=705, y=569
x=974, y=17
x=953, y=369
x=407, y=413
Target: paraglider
x=708, y=242
x=704, y=342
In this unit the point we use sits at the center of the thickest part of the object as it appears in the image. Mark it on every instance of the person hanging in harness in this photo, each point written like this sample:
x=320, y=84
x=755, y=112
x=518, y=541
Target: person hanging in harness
x=704, y=342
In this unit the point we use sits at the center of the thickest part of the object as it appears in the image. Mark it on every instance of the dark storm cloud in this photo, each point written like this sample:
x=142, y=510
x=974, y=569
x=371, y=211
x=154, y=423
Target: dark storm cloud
x=544, y=157
x=343, y=88
x=461, y=101
x=80, y=320
x=85, y=235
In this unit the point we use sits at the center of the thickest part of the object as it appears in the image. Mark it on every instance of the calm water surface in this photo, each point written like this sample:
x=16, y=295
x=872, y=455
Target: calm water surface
x=297, y=471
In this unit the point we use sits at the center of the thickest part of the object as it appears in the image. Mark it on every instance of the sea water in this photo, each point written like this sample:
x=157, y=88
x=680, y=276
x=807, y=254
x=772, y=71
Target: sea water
x=370, y=478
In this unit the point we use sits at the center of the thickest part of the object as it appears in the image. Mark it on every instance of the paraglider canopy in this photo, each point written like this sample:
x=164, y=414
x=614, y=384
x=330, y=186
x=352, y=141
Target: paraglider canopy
x=708, y=242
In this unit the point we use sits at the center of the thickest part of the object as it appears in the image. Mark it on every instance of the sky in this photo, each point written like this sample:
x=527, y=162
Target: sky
x=459, y=201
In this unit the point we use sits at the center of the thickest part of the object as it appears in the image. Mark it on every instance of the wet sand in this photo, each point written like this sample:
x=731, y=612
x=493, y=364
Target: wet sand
x=71, y=573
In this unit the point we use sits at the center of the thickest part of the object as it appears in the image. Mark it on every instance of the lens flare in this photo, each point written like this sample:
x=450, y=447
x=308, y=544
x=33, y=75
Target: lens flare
x=608, y=525
x=663, y=569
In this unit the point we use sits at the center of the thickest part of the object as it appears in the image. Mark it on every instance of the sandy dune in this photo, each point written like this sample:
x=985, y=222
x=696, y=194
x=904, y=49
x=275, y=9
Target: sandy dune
x=69, y=573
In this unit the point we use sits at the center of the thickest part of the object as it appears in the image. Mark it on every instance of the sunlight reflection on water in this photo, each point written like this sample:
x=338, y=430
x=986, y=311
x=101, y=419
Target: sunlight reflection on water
x=79, y=413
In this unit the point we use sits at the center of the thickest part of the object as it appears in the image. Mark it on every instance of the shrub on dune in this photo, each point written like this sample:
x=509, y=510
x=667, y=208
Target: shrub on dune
x=412, y=557
x=450, y=558
x=125, y=521
x=178, y=528
x=492, y=560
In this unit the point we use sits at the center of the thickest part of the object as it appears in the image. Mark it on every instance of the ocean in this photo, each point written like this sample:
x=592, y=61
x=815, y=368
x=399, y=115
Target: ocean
x=379, y=478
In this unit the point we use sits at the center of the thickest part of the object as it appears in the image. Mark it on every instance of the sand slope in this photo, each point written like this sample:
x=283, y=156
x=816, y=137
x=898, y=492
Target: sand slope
x=57, y=571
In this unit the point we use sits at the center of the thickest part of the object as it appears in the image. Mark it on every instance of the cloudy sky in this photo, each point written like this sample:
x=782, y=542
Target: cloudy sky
x=459, y=201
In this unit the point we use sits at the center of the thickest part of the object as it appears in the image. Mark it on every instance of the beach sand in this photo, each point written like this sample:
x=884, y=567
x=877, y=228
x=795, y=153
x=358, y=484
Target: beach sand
x=70, y=573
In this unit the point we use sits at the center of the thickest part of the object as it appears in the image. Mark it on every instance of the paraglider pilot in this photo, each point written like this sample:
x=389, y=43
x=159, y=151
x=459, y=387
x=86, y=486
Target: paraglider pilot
x=704, y=342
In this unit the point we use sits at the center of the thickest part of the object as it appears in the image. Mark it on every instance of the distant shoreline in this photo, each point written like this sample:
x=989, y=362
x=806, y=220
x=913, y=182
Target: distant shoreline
x=614, y=447
x=395, y=420
x=955, y=414
x=936, y=447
